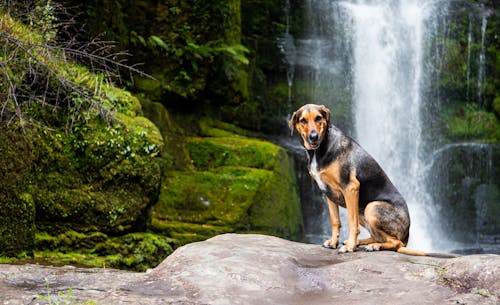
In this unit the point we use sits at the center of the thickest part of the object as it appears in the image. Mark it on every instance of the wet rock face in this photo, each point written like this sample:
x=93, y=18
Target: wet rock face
x=257, y=269
x=466, y=186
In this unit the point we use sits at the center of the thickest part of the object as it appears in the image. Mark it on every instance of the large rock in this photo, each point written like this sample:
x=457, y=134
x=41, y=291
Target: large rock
x=234, y=183
x=257, y=269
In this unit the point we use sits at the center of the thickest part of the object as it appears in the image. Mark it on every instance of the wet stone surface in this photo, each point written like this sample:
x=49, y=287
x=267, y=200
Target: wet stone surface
x=257, y=269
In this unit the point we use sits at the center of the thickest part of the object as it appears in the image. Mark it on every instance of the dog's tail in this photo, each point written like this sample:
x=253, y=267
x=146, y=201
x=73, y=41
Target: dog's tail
x=413, y=252
x=409, y=251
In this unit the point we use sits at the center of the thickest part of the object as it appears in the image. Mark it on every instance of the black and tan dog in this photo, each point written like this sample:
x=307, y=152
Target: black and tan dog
x=351, y=178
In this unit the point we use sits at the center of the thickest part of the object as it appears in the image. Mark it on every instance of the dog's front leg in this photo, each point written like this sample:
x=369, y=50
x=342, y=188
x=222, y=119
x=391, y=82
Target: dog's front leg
x=351, y=195
x=333, y=208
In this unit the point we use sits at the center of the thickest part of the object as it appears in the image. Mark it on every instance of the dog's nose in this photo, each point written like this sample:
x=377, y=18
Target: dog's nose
x=313, y=136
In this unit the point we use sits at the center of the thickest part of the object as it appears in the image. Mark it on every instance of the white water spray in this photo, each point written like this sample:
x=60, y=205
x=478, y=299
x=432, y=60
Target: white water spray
x=388, y=73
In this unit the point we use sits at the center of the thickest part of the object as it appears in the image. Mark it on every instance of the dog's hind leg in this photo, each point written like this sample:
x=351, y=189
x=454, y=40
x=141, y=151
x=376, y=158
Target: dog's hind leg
x=369, y=240
x=387, y=226
x=390, y=243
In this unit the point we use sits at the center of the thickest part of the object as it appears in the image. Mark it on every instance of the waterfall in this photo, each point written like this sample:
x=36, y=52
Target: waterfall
x=287, y=47
x=365, y=60
x=469, y=41
x=387, y=65
x=482, y=60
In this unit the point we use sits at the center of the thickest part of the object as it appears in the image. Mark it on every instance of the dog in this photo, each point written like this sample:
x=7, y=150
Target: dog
x=351, y=178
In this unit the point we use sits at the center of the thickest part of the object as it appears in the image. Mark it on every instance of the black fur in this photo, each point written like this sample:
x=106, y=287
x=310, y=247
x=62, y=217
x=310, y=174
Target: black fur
x=374, y=183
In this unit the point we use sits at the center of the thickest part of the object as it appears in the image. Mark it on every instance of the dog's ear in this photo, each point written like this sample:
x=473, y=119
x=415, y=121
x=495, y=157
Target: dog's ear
x=292, y=122
x=326, y=113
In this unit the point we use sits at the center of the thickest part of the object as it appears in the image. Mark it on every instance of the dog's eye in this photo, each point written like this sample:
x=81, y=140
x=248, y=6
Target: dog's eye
x=303, y=121
x=318, y=118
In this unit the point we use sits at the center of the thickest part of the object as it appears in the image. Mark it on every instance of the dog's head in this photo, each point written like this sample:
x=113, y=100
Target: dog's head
x=311, y=122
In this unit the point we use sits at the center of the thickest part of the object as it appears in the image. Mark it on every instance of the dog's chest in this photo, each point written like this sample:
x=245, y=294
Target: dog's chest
x=314, y=172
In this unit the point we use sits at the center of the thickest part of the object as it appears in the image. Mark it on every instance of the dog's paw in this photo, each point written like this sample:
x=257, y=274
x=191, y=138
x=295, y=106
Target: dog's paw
x=372, y=247
x=331, y=244
x=347, y=248
x=345, y=242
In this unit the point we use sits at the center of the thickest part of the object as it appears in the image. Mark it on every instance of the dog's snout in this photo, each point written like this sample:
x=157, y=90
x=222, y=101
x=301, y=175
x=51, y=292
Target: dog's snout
x=313, y=136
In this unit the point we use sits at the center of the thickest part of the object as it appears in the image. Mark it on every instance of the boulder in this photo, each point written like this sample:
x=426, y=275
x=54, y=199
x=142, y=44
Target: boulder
x=258, y=269
x=234, y=183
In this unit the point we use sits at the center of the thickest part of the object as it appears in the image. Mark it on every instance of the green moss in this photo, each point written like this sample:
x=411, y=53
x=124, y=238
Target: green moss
x=68, y=258
x=233, y=151
x=219, y=197
x=215, y=128
x=123, y=101
x=17, y=212
x=185, y=232
x=174, y=153
x=142, y=127
x=471, y=122
x=134, y=251
x=82, y=161
x=238, y=185
x=276, y=208
x=496, y=103
x=100, y=178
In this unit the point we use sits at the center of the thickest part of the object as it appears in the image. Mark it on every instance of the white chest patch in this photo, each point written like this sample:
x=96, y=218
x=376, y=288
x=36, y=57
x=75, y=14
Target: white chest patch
x=316, y=175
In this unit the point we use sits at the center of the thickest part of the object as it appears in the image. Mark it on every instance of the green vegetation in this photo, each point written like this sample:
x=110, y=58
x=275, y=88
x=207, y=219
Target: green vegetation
x=470, y=103
x=135, y=251
x=235, y=184
x=218, y=57
x=99, y=184
x=470, y=121
x=82, y=160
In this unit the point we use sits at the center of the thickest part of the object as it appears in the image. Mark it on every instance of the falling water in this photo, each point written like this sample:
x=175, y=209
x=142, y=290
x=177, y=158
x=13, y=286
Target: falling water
x=469, y=41
x=388, y=74
x=371, y=53
x=482, y=60
x=287, y=47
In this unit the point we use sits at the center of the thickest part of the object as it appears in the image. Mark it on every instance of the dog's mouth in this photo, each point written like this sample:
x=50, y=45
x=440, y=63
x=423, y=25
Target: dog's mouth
x=313, y=145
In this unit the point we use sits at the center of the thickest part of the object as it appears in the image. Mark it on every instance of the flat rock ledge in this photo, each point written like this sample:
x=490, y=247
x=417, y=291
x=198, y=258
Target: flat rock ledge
x=258, y=269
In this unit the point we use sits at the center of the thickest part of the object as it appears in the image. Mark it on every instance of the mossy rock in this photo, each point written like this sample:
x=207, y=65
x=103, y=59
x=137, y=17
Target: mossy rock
x=134, y=251
x=174, y=153
x=76, y=151
x=219, y=197
x=208, y=153
x=17, y=209
x=185, y=232
x=101, y=177
x=215, y=128
x=238, y=185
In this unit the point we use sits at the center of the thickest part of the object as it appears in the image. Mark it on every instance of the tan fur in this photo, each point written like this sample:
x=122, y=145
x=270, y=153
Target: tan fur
x=305, y=120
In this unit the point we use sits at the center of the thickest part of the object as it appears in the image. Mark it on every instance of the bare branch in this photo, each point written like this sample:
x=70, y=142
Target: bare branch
x=48, y=77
